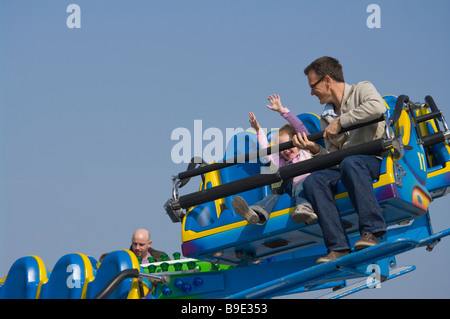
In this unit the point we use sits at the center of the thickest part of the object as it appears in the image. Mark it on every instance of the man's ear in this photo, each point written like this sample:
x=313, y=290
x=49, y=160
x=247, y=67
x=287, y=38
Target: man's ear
x=328, y=80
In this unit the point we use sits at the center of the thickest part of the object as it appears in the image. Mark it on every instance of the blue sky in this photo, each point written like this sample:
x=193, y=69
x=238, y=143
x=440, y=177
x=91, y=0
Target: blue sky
x=86, y=115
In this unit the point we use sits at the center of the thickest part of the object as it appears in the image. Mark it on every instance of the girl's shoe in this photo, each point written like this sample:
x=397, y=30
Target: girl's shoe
x=241, y=207
x=303, y=214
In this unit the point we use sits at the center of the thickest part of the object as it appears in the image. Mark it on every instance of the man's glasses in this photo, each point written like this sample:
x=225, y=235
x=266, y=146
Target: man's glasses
x=314, y=85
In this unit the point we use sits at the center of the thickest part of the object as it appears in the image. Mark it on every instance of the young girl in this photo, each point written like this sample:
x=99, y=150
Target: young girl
x=258, y=213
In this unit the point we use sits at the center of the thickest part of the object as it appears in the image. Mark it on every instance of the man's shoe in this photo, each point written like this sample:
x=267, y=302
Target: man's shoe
x=332, y=255
x=366, y=240
x=240, y=206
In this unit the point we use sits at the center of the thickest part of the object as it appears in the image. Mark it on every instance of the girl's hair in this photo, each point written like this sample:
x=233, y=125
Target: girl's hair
x=287, y=129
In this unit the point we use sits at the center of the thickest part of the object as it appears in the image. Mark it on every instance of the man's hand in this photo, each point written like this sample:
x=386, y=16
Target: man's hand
x=332, y=130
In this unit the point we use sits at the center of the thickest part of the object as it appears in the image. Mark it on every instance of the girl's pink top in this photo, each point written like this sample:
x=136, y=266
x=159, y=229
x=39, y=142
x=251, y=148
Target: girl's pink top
x=278, y=160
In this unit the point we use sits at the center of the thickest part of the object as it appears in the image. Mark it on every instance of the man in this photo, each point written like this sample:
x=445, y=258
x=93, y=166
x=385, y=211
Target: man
x=141, y=246
x=346, y=105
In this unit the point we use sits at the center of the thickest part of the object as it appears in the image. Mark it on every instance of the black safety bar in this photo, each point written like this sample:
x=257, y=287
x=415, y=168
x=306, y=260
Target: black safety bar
x=262, y=152
x=375, y=147
x=402, y=99
x=191, y=172
x=430, y=102
x=435, y=114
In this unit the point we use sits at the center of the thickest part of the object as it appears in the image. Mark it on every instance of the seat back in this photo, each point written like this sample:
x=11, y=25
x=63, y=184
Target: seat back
x=69, y=278
x=312, y=123
x=111, y=265
x=241, y=144
x=24, y=279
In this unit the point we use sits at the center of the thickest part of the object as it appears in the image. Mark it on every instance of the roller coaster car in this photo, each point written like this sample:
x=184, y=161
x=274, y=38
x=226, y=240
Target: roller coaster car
x=412, y=175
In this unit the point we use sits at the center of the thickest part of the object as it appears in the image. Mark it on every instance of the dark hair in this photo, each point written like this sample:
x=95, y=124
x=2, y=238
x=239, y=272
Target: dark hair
x=326, y=66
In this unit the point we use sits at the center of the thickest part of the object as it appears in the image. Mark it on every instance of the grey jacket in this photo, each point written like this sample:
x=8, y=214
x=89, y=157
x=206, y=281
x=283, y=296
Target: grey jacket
x=361, y=103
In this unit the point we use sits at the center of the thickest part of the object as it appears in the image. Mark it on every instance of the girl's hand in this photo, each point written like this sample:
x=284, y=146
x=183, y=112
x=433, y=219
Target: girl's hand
x=274, y=99
x=253, y=122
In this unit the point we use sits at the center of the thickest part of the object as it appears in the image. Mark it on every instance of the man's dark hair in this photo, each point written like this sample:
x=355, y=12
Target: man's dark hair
x=326, y=66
